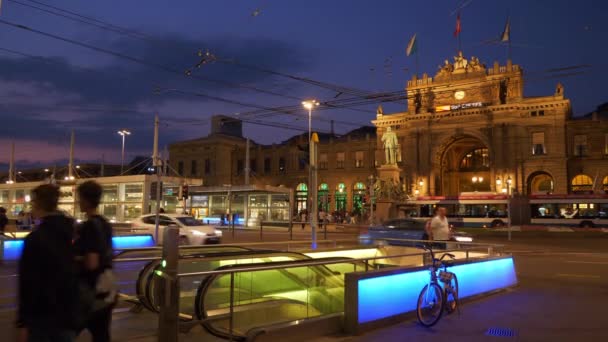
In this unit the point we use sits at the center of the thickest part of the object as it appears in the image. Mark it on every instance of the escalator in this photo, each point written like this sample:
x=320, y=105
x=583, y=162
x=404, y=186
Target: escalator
x=147, y=280
x=268, y=297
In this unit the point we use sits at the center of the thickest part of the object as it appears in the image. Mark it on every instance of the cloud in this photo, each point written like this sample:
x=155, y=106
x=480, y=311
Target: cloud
x=44, y=98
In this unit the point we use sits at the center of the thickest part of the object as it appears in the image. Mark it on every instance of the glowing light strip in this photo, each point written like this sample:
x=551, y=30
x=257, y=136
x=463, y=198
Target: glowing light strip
x=395, y=294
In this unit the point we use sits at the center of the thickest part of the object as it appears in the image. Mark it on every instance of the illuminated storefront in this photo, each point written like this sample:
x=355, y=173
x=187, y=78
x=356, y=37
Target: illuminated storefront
x=123, y=197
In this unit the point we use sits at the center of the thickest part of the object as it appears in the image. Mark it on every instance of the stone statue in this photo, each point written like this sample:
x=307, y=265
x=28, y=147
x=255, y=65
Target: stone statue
x=559, y=89
x=379, y=111
x=445, y=69
x=460, y=63
x=475, y=65
x=391, y=147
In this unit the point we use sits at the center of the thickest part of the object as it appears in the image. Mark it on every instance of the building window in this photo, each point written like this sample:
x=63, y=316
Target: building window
x=180, y=168
x=538, y=143
x=606, y=144
x=282, y=166
x=301, y=198
x=541, y=113
x=193, y=170
x=207, y=166
x=267, y=165
x=340, y=160
x=359, y=159
x=302, y=162
x=580, y=145
x=476, y=160
x=240, y=165
x=253, y=165
x=582, y=183
x=533, y=113
x=323, y=161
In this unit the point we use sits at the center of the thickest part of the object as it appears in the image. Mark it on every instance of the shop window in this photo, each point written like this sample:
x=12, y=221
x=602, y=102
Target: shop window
x=340, y=157
x=193, y=170
x=267, y=165
x=180, y=168
x=359, y=159
x=582, y=183
x=538, y=143
x=109, y=193
x=323, y=161
x=301, y=197
x=134, y=192
x=580, y=145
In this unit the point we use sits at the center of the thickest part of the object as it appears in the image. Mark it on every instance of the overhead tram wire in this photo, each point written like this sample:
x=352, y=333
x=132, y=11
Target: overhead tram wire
x=86, y=20
x=138, y=35
x=144, y=62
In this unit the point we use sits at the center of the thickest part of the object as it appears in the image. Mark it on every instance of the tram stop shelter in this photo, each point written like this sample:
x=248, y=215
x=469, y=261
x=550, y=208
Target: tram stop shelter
x=248, y=205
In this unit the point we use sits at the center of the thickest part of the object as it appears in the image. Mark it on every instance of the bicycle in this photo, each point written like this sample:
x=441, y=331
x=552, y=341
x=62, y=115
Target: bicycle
x=433, y=298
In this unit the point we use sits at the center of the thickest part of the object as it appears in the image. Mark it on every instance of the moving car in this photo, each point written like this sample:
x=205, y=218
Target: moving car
x=191, y=231
x=409, y=229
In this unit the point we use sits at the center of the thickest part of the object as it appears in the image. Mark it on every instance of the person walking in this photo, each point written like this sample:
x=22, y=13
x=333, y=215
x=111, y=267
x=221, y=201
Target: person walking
x=438, y=228
x=47, y=307
x=93, y=249
x=3, y=220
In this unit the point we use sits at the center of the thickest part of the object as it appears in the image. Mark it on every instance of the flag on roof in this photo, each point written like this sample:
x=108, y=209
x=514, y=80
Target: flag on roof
x=506, y=34
x=411, y=46
x=458, y=27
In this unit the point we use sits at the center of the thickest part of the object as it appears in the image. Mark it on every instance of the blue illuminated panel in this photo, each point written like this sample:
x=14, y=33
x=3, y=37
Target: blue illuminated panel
x=12, y=249
x=132, y=241
x=395, y=294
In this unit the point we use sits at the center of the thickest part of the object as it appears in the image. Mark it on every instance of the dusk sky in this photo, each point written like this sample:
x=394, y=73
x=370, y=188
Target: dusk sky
x=49, y=86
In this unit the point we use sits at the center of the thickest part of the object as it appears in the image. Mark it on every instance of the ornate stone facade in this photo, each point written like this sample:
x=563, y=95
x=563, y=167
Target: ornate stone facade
x=471, y=129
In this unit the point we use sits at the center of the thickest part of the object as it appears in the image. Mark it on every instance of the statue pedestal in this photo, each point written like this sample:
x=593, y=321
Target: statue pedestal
x=385, y=208
x=387, y=172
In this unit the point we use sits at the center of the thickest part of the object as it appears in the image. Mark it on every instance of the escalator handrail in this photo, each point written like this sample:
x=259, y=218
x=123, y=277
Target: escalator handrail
x=199, y=302
x=146, y=297
x=120, y=252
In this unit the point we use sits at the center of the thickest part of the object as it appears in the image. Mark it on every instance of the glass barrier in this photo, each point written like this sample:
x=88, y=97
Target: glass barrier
x=266, y=297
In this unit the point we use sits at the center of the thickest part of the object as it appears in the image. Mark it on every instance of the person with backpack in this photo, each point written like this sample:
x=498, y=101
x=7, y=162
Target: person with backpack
x=47, y=306
x=93, y=249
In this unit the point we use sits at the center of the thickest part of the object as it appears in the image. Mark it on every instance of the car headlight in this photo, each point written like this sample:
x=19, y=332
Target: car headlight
x=463, y=238
x=218, y=232
x=197, y=233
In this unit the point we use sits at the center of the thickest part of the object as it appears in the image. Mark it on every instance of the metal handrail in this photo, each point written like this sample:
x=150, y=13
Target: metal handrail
x=316, y=263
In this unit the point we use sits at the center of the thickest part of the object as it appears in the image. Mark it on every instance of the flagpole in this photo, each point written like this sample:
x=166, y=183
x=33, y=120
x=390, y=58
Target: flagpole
x=416, y=62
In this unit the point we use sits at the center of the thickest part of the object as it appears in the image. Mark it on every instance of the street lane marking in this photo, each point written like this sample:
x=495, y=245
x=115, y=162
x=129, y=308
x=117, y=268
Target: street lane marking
x=587, y=262
x=577, y=275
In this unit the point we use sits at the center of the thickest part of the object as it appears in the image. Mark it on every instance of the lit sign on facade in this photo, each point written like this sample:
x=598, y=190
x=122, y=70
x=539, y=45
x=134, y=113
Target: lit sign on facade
x=459, y=106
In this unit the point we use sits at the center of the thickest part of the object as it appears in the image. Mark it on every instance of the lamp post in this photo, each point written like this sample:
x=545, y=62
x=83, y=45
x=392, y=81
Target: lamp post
x=509, y=181
x=123, y=133
x=312, y=168
x=371, y=199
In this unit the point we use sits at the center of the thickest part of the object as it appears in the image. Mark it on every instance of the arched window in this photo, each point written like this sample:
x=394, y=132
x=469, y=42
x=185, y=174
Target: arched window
x=359, y=186
x=477, y=159
x=341, y=194
x=605, y=184
x=582, y=183
x=540, y=183
x=359, y=192
x=323, y=197
x=301, y=197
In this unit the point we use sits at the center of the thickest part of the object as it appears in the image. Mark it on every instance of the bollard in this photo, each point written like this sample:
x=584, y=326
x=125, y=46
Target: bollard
x=168, y=291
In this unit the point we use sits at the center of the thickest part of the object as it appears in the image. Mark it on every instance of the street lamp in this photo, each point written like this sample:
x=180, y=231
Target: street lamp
x=509, y=181
x=123, y=133
x=310, y=104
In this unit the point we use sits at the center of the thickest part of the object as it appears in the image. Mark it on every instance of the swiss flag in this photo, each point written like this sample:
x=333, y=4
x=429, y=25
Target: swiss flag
x=458, y=28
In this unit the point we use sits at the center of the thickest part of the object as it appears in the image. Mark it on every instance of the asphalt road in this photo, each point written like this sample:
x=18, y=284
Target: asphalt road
x=562, y=296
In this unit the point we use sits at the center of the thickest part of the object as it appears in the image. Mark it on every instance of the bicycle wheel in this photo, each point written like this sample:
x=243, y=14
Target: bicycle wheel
x=451, y=296
x=430, y=305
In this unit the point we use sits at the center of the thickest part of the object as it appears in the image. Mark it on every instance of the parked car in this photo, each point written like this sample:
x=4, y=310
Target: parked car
x=409, y=229
x=191, y=231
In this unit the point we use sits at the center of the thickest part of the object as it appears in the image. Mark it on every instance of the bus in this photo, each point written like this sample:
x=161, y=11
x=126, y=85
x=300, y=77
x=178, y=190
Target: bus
x=470, y=211
x=583, y=211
